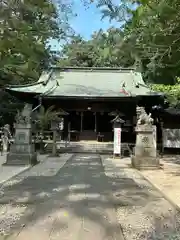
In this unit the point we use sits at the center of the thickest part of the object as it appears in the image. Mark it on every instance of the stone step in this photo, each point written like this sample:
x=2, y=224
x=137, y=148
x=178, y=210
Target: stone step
x=78, y=147
x=88, y=135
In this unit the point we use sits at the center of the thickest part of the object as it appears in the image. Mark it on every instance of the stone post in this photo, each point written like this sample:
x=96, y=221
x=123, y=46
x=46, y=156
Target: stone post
x=54, y=147
x=6, y=136
x=5, y=143
x=41, y=142
x=145, y=149
x=54, y=128
x=22, y=152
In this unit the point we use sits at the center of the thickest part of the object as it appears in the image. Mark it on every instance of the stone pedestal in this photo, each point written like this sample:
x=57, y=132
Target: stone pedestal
x=22, y=152
x=145, y=149
x=54, y=146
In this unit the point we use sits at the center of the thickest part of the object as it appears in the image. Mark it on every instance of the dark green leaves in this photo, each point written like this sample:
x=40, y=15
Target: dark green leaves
x=105, y=49
x=26, y=28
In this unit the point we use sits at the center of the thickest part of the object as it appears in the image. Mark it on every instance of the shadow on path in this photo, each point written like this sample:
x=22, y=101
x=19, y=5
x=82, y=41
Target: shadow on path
x=78, y=195
x=76, y=203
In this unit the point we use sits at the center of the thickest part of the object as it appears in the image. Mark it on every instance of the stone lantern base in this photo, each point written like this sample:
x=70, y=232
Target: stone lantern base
x=20, y=160
x=145, y=150
x=145, y=163
x=22, y=151
x=19, y=157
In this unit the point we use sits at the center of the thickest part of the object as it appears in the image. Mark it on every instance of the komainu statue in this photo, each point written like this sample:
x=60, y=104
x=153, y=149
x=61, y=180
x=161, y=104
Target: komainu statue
x=24, y=116
x=142, y=117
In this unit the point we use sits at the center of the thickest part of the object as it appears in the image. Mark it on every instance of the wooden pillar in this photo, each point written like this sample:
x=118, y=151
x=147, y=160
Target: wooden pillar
x=95, y=119
x=69, y=131
x=162, y=136
x=81, y=121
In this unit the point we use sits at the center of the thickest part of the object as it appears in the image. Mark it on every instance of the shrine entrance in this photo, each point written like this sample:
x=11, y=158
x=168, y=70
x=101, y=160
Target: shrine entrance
x=88, y=130
x=89, y=121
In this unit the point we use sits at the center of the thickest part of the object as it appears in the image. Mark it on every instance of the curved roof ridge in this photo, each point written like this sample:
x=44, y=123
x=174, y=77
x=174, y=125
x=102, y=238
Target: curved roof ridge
x=47, y=92
x=112, y=69
x=45, y=76
x=23, y=85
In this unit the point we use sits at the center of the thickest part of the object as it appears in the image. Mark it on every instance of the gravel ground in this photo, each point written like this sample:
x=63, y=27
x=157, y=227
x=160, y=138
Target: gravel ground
x=142, y=211
x=10, y=215
x=19, y=191
x=167, y=179
x=79, y=207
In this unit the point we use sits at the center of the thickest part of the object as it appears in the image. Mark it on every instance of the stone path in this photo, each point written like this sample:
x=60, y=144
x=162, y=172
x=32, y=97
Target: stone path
x=7, y=172
x=67, y=202
x=143, y=212
x=29, y=186
x=77, y=197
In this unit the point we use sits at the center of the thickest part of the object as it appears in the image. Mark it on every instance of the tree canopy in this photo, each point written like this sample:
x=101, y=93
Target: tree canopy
x=148, y=40
x=104, y=49
x=151, y=30
x=26, y=27
x=149, y=36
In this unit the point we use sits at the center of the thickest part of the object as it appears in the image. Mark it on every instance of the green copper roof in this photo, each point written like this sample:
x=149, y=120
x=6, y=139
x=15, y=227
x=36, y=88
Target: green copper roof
x=86, y=82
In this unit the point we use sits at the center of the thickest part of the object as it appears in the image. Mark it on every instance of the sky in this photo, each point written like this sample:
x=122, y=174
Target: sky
x=87, y=21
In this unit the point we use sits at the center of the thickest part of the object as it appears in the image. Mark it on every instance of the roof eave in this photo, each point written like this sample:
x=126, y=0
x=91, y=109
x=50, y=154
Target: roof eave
x=88, y=97
x=11, y=87
x=93, y=68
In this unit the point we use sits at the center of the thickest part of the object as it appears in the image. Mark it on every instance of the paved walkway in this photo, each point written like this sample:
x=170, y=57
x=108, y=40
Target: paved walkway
x=67, y=202
x=7, y=172
x=142, y=211
x=84, y=197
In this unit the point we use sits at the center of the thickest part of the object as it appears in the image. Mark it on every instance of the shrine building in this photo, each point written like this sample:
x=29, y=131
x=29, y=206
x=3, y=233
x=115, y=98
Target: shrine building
x=92, y=97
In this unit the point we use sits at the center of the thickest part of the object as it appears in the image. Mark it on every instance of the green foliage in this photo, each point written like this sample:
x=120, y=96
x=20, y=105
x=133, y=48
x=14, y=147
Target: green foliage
x=8, y=108
x=45, y=116
x=26, y=27
x=172, y=93
x=151, y=31
x=104, y=49
x=25, y=30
